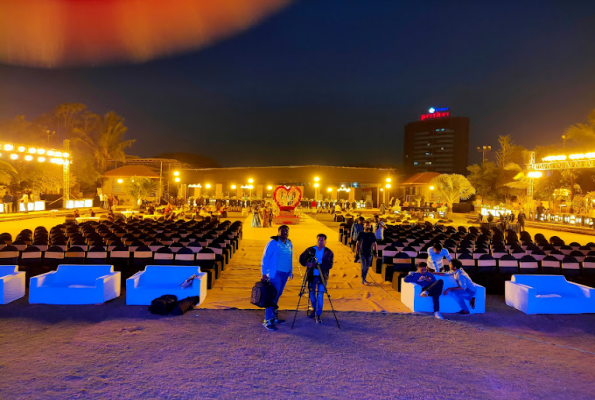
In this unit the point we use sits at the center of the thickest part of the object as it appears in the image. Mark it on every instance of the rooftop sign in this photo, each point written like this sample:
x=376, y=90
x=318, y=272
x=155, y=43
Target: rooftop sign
x=436, y=113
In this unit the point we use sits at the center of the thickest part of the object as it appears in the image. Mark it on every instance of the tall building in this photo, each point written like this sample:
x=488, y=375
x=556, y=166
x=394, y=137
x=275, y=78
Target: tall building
x=437, y=143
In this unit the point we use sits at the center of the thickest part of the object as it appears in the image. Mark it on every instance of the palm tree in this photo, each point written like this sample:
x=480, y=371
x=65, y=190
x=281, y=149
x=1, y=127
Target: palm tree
x=107, y=143
x=452, y=187
x=142, y=188
x=582, y=134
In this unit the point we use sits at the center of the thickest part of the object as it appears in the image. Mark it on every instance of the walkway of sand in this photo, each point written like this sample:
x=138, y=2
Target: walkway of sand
x=233, y=288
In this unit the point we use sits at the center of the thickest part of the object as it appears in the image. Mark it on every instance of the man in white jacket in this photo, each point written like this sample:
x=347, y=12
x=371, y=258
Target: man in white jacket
x=277, y=267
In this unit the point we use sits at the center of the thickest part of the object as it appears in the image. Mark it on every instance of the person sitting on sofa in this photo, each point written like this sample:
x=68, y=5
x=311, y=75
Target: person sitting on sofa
x=430, y=286
x=465, y=289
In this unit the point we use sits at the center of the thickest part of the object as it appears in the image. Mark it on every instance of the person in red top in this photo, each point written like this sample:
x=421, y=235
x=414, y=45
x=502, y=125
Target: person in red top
x=313, y=205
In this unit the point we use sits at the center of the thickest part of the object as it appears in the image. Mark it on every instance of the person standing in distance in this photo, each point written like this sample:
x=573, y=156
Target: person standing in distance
x=325, y=257
x=366, y=247
x=436, y=256
x=379, y=227
x=277, y=267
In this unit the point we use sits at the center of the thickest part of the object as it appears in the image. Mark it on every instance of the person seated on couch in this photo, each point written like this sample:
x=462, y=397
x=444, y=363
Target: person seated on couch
x=465, y=289
x=430, y=286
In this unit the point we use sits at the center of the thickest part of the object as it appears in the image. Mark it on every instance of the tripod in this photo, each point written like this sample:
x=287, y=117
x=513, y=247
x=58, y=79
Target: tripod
x=303, y=290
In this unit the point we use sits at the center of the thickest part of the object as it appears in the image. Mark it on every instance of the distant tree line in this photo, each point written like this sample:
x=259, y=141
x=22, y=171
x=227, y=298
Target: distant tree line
x=504, y=179
x=95, y=140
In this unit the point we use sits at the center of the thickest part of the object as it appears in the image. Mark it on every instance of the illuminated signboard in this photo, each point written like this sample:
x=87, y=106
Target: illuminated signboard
x=436, y=113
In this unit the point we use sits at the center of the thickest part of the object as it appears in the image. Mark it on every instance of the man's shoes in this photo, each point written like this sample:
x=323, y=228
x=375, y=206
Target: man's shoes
x=437, y=315
x=318, y=319
x=278, y=321
x=472, y=303
x=462, y=312
x=364, y=282
x=424, y=294
x=311, y=314
x=269, y=326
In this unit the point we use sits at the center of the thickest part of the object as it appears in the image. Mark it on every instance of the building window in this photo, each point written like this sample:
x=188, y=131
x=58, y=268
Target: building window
x=415, y=163
x=428, y=163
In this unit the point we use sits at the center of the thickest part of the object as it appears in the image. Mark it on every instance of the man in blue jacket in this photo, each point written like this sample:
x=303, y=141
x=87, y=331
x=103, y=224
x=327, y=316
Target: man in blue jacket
x=430, y=286
x=316, y=283
x=277, y=267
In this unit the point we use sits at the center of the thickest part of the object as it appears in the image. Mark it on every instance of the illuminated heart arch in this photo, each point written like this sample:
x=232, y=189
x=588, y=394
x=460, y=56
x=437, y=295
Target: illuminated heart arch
x=287, y=197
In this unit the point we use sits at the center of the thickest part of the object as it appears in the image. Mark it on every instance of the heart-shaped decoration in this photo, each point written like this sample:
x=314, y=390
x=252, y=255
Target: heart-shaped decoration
x=287, y=197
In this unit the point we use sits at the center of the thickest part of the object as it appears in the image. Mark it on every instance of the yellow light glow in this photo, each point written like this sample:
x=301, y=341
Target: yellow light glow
x=14, y=156
x=8, y=147
x=388, y=180
x=534, y=174
x=65, y=155
x=120, y=180
x=58, y=154
x=388, y=185
x=176, y=173
x=28, y=158
x=40, y=151
x=208, y=185
x=250, y=180
x=32, y=150
x=22, y=148
x=554, y=158
x=316, y=184
x=269, y=187
x=432, y=188
x=329, y=189
x=41, y=159
x=316, y=179
x=59, y=161
x=233, y=186
x=50, y=153
x=177, y=179
x=250, y=187
x=348, y=190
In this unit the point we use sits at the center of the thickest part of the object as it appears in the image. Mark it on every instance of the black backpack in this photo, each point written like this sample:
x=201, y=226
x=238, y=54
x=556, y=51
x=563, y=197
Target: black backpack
x=163, y=305
x=263, y=294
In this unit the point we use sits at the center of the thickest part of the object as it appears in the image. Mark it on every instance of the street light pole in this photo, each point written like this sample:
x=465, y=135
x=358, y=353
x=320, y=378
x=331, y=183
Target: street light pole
x=483, y=150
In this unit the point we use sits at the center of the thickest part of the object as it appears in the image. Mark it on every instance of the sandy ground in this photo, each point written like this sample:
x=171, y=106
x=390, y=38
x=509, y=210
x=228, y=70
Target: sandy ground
x=381, y=351
x=118, y=351
x=347, y=293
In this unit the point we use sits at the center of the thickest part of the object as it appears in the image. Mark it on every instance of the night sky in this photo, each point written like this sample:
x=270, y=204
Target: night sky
x=334, y=82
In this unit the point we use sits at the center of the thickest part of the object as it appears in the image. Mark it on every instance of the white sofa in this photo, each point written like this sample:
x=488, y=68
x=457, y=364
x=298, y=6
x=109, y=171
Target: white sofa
x=157, y=280
x=12, y=283
x=75, y=284
x=548, y=294
x=411, y=297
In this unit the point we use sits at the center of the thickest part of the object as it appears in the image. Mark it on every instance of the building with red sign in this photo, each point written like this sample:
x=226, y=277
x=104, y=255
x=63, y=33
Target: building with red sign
x=437, y=143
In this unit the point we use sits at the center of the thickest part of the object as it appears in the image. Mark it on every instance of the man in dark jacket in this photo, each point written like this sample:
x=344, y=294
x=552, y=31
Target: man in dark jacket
x=316, y=283
x=430, y=286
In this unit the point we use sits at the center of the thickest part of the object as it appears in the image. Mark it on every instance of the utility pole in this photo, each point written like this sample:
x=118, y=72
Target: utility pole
x=66, y=175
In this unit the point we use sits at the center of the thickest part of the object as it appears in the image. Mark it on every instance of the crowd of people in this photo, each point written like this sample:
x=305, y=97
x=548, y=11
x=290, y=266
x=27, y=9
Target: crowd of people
x=277, y=268
x=11, y=202
x=262, y=217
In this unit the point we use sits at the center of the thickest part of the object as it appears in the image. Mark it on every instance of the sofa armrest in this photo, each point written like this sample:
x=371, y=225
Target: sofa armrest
x=133, y=281
x=587, y=291
x=105, y=279
x=42, y=279
x=11, y=277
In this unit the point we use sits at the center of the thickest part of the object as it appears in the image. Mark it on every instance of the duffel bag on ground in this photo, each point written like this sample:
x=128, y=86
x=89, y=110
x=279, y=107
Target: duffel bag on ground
x=185, y=304
x=263, y=294
x=163, y=305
